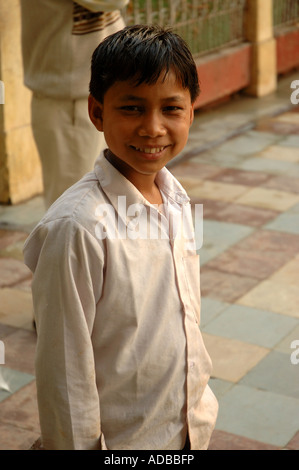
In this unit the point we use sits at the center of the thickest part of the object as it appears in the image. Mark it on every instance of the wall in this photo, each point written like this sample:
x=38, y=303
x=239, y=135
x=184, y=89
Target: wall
x=20, y=170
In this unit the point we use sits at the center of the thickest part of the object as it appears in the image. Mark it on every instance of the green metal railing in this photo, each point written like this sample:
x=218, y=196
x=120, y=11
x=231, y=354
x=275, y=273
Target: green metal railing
x=206, y=25
x=285, y=13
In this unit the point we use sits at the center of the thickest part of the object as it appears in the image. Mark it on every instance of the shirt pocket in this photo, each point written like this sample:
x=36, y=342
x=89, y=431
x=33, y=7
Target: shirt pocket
x=192, y=280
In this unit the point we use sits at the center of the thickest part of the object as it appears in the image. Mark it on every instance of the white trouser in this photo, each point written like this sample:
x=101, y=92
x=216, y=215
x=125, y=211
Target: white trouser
x=67, y=142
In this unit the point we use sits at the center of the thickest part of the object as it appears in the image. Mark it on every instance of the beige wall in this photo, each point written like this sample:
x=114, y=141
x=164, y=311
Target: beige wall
x=20, y=170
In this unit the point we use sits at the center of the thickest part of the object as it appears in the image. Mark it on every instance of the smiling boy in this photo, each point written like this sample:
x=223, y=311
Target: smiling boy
x=147, y=127
x=120, y=362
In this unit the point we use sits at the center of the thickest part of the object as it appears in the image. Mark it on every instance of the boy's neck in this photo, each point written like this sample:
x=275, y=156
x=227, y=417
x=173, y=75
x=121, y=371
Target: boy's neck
x=152, y=195
x=145, y=184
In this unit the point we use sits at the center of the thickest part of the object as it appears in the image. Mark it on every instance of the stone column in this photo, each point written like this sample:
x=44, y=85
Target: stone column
x=20, y=169
x=259, y=32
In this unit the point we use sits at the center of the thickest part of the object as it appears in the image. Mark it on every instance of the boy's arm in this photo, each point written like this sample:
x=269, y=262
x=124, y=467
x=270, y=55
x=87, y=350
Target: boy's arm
x=66, y=286
x=103, y=5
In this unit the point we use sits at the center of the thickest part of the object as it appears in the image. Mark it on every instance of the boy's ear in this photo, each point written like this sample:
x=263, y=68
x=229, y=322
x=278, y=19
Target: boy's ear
x=95, y=110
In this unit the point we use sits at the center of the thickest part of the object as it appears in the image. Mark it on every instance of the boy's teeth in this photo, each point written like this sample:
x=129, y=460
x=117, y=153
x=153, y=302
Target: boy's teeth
x=150, y=150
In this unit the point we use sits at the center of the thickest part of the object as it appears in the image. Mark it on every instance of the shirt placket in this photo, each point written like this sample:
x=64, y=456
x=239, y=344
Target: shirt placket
x=178, y=246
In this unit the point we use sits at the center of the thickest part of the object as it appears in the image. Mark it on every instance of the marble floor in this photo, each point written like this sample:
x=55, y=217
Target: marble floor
x=242, y=164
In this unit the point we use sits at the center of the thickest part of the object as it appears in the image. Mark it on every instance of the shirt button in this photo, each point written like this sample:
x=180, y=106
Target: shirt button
x=192, y=364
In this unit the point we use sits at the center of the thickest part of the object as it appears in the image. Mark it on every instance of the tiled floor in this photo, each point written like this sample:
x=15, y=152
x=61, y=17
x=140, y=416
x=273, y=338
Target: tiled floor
x=242, y=164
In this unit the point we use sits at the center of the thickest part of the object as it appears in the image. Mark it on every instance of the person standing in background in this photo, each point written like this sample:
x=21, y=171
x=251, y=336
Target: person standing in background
x=58, y=38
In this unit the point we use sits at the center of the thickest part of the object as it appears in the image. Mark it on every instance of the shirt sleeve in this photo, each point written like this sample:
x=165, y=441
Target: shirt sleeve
x=67, y=283
x=103, y=5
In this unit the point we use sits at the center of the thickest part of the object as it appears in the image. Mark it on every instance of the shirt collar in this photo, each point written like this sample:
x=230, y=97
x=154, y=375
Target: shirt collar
x=114, y=184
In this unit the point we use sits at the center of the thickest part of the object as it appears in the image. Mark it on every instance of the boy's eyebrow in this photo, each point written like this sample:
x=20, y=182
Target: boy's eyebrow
x=175, y=98
x=131, y=98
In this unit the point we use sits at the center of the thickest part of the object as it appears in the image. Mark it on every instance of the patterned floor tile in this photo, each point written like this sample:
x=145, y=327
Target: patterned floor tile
x=294, y=209
x=278, y=126
x=13, y=437
x=248, y=143
x=235, y=176
x=288, y=274
x=191, y=168
x=225, y=233
x=20, y=350
x=210, y=309
x=272, y=199
x=279, y=293
x=251, y=325
x=275, y=373
x=188, y=183
x=266, y=165
x=22, y=216
x=11, y=381
x=14, y=251
x=218, y=236
x=16, y=308
x=272, y=242
x=290, y=141
x=272, y=296
x=222, y=440
x=220, y=386
x=12, y=271
x=283, y=183
x=225, y=287
x=288, y=117
x=257, y=265
x=214, y=190
x=284, y=346
x=21, y=408
x=259, y=420
x=232, y=359
x=220, y=159
x=280, y=152
x=293, y=444
x=6, y=330
x=286, y=222
x=237, y=213
x=8, y=237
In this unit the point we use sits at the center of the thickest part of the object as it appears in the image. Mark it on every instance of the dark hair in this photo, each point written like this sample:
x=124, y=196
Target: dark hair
x=141, y=53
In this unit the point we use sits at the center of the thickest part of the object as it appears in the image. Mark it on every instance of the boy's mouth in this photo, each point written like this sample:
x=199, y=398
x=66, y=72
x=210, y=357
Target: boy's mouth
x=149, y=150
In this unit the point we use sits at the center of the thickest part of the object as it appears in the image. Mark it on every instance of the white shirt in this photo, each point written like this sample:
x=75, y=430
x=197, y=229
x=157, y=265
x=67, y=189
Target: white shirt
x=120, y=361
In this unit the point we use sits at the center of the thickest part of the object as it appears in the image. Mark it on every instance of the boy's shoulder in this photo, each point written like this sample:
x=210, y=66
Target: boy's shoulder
x=77, y=204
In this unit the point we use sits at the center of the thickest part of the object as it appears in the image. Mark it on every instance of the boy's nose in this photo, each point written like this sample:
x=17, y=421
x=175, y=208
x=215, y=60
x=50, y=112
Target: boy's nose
x=152, y=126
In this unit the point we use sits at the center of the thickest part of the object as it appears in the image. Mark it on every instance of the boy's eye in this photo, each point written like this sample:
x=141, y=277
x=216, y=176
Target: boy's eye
x=135, y=109
x=131, y=108
x=172, y=109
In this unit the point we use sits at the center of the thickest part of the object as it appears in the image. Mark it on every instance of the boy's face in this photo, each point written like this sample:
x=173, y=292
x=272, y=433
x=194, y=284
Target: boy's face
x=145, y=126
